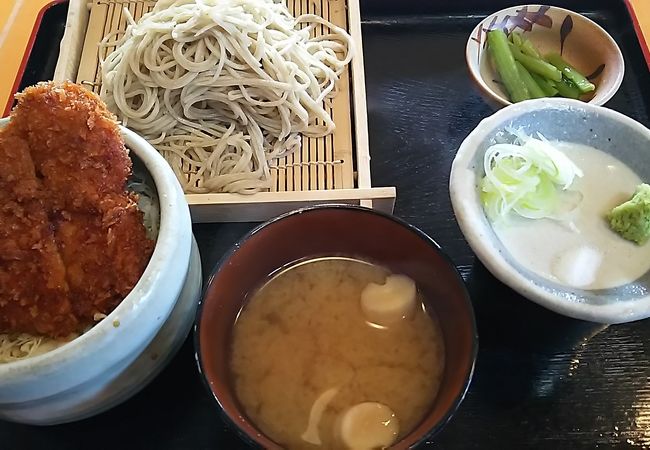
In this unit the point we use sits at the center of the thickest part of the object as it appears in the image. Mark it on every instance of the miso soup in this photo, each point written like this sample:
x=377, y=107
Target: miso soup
x=336, y=353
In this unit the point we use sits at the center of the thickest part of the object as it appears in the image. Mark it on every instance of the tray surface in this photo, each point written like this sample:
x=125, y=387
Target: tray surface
x=542, y=380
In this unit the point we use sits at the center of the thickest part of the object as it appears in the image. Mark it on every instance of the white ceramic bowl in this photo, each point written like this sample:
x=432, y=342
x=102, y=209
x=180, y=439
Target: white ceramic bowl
x=563, y=120
x=581, y=41
x=122, y=353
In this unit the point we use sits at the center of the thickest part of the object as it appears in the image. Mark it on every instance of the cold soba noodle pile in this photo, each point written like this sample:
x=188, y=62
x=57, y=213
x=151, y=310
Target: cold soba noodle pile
x=222, y=87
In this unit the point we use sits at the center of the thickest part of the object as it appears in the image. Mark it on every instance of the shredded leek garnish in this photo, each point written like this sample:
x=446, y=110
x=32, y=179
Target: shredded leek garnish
x=528, y=177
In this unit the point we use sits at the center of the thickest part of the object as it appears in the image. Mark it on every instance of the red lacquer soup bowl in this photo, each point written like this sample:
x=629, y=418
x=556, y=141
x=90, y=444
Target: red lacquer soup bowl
x=335, y=230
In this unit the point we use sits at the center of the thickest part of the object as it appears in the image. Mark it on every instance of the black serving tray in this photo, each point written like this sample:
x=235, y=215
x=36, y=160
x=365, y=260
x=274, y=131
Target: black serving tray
x=542, y=381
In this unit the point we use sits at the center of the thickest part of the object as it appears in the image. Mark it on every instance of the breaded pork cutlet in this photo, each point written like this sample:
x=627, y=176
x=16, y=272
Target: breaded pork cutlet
x=75, y=144
x=33, y=288
x=79, y=153
x=80, y=165
x=105, y=254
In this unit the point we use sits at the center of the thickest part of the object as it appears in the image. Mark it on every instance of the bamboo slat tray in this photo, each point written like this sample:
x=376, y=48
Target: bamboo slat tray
x=332, y=169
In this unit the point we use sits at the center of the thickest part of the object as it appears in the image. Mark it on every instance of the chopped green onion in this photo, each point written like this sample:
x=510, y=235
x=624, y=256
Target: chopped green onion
x=526, y=177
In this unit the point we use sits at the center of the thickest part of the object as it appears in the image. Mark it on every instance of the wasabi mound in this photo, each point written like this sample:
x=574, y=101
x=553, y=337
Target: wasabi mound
x=632, y=219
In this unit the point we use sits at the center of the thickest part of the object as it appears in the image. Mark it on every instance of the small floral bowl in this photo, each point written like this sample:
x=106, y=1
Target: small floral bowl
x=580, y=41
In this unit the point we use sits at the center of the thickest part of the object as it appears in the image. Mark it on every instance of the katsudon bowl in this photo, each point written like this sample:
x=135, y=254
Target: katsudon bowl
x=320, y=233
x=123, y=352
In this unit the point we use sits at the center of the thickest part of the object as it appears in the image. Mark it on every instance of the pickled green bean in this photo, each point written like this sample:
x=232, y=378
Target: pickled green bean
x=571, y=73
x=547, y=86
x=528, y=48
x=505, y=66
x=533, y=88
x=536, y=65
x=567, y=89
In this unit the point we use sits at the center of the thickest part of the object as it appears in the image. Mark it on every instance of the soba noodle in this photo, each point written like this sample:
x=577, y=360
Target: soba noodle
x=221, y=87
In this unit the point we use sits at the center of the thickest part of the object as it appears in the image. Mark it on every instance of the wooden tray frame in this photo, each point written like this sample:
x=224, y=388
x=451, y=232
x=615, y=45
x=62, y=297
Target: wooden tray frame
x=225, y=207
